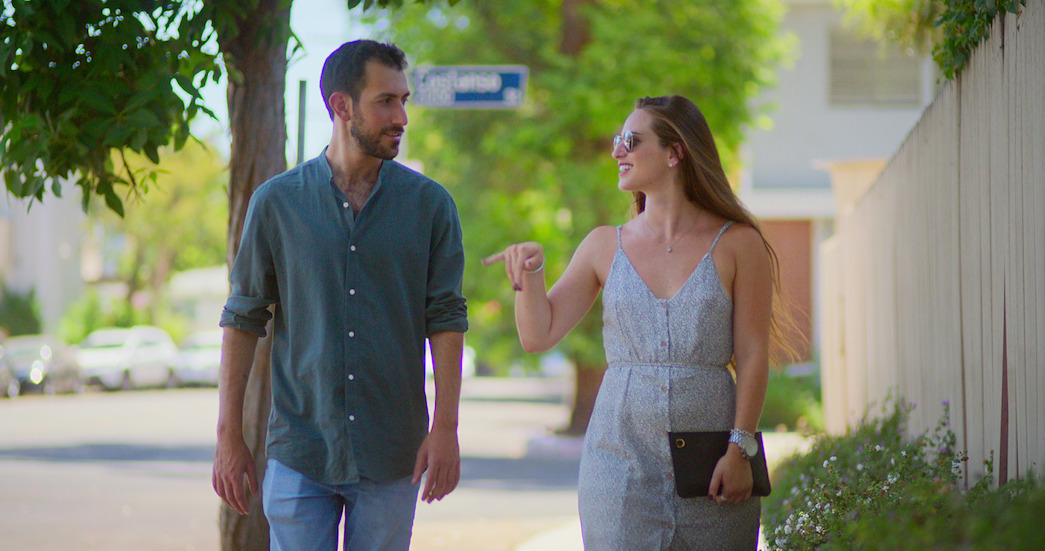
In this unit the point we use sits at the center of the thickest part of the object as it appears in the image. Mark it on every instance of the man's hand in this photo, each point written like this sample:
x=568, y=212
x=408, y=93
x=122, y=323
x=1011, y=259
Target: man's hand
x=232, y=461
x=441, y=457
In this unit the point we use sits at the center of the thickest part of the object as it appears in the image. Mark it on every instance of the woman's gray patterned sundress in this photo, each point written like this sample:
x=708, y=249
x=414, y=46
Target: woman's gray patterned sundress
x=667, y=371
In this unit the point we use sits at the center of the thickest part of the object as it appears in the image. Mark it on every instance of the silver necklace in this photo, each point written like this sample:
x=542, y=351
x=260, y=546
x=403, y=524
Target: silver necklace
x=673, y=241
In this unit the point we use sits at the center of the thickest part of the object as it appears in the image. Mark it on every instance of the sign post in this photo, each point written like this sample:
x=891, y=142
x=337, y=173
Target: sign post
x=469, y=86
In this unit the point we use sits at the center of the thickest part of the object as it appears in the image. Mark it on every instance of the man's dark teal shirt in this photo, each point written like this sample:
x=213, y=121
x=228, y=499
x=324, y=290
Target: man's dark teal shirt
x=356, y=296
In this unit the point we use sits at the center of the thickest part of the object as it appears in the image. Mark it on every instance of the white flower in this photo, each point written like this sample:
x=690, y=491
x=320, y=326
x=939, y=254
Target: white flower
x=834, y=458
x=859, y=466
x=878, y=447
x=825, y=463
x=904, y=453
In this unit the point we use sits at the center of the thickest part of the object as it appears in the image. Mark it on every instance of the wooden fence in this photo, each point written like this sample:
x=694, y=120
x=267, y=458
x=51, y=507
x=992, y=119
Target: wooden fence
x=933, y=287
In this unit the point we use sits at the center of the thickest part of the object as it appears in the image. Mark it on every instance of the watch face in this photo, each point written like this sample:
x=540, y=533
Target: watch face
x=750, y=447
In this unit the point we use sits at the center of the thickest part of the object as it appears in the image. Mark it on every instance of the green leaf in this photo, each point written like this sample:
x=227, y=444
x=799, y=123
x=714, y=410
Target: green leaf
x=153, y=153
x=113, y=201
x=98, y=101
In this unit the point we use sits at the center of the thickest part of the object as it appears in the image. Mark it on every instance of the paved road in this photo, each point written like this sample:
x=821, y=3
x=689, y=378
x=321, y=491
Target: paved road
x=131, y=471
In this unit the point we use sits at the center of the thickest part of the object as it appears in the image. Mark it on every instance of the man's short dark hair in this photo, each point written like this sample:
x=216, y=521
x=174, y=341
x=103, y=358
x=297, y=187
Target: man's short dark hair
x=345, y=69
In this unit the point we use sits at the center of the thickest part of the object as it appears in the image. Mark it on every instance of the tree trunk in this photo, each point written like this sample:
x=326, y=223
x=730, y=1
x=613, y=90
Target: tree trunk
x=575, y=36
x=576, y=33
x=587, y=380
x=255, y=49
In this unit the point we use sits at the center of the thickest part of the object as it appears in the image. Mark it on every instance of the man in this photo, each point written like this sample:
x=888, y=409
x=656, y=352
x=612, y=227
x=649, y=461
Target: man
x=363, y=260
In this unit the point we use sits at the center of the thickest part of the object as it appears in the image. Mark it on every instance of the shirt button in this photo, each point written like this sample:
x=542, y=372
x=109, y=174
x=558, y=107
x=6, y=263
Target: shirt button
x=351, y=291
x=351, y=377
x=351, y=417
x=351, y=333
x=345, y=204
x=662, y=343
x=352, y=248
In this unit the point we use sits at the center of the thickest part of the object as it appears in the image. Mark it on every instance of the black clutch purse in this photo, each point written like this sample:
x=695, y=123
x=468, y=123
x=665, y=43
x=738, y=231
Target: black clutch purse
x=695, y=454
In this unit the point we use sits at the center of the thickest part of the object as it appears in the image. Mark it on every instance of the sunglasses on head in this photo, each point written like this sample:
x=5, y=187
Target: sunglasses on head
x=628, y=138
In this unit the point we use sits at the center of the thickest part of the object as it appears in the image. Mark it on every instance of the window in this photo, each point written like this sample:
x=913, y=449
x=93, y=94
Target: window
x=865, y=73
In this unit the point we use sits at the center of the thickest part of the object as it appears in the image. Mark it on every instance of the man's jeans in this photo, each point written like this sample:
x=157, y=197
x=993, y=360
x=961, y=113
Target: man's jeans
x=304, y=514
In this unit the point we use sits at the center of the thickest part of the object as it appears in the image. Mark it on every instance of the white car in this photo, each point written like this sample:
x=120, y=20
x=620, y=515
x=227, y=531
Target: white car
x=199, y=359
x=127, y=358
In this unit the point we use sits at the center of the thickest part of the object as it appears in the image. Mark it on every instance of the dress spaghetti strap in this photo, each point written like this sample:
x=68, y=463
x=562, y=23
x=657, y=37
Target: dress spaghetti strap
x=717, y=237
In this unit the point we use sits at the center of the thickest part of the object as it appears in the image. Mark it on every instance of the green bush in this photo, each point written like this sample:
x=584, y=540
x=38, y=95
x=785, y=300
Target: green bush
x=842, y=478
x=92, y=312
x=793, y=403
x=936, y=516
x=19, y=312
x=875, y=488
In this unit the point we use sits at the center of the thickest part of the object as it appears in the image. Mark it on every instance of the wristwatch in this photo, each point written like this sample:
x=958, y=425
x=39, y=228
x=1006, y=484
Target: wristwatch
x=745, y=441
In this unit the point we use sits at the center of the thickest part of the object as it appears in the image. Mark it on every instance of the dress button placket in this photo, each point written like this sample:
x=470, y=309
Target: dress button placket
x=665, y=332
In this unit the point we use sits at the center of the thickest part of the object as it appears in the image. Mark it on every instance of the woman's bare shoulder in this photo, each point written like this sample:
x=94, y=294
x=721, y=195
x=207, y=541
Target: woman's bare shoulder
x=597, y=249
x=744, y=242
x=602, y=234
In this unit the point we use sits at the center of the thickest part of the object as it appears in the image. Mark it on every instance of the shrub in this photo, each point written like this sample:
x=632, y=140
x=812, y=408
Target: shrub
x=842, y=478
x=873, y=488
x=937, y=517
x=793, y=403
x=19, y=312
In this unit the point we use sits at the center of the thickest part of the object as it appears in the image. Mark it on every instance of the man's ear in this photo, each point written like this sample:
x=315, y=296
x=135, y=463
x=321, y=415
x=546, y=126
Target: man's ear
x=341, y=105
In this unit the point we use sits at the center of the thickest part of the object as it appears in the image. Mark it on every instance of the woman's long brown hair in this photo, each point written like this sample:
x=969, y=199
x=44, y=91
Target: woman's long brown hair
x=677, y=120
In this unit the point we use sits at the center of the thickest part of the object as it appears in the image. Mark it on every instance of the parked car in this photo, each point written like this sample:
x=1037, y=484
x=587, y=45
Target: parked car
x=9, y=387
x=41, y=363
x=199, y=359
x=127, y=358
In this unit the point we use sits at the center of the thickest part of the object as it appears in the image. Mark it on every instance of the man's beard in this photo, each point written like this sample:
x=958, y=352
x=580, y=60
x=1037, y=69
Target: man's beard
x=371, y=144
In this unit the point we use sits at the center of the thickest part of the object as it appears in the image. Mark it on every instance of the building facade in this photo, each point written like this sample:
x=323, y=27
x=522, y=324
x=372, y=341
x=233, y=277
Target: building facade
x=841, y=97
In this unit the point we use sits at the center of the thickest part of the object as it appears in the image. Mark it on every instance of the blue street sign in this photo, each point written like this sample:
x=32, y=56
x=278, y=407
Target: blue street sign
x=469, y=86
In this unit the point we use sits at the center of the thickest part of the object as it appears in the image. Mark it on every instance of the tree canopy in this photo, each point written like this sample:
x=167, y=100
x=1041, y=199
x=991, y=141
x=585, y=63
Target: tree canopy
x=544, y=172
x=81, y=79
x=84, y=78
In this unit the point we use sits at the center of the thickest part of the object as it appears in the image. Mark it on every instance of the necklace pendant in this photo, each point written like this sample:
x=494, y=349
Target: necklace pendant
x=669, y=248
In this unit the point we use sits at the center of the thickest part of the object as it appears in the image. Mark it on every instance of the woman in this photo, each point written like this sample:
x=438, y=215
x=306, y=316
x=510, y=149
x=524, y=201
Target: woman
x=687, y=288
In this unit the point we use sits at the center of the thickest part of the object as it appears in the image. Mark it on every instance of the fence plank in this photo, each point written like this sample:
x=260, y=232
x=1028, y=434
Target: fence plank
x=944, y=282
x=992, y=63
x=1032, y=55
x=1014, y=287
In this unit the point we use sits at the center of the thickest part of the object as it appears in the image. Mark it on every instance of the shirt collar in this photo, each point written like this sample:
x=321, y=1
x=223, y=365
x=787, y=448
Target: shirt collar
x=324, y=173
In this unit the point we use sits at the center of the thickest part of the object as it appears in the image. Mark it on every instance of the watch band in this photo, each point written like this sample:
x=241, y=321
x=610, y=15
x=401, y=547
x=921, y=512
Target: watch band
x=745, y=441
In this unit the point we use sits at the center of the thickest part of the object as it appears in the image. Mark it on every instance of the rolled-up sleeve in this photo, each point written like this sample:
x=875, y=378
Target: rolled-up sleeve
x=445, y=308
x=253, y=276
